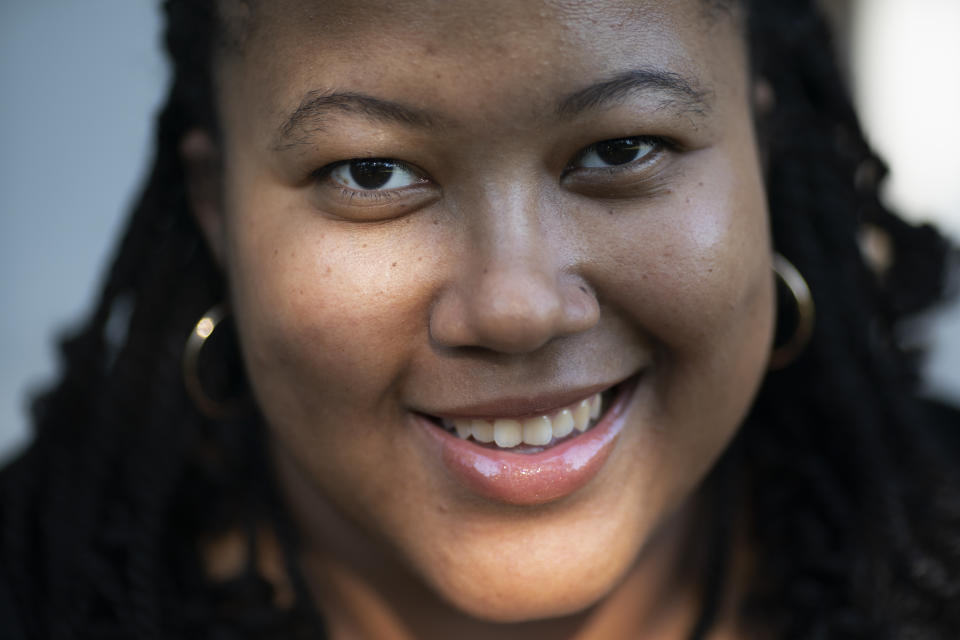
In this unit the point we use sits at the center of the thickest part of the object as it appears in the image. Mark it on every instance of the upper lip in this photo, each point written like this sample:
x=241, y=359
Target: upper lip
x=520, y=406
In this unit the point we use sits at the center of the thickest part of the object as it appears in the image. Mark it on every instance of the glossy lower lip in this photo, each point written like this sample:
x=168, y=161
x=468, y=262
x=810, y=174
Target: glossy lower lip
x=533, y=478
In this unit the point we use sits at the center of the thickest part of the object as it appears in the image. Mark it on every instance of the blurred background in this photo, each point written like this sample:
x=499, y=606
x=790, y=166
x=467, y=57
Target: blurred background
x=81, y=81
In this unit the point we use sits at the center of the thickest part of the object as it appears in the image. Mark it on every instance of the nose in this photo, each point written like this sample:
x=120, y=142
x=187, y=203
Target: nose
x=513, y=290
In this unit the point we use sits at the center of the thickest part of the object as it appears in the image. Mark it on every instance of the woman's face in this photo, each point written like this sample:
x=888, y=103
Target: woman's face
x=565, y=201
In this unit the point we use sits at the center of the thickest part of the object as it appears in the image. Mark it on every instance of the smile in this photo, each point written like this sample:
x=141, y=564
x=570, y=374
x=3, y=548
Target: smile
x=533, y=459
x=537, y=431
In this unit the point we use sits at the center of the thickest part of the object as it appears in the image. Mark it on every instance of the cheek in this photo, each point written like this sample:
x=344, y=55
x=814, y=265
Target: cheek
x=694, y=275
x=327, y=313
x=694, y=267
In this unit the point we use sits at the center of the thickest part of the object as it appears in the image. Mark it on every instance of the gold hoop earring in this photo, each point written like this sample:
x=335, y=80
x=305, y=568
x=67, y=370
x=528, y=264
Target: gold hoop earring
x=202, y=331
x=785, y=353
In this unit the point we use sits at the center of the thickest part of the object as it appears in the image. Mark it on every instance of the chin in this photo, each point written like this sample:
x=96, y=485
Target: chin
x=567, y=570
x=510, y=605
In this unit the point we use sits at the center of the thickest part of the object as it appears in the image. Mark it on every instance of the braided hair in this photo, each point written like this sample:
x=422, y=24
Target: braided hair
x=852, y=510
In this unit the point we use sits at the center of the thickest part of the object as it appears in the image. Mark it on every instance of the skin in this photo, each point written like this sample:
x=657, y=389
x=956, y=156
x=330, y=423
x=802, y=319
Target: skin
x=506, y=269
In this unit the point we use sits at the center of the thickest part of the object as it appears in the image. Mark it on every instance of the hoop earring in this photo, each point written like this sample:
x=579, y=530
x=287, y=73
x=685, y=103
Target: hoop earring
x=202, y=331
x=784, y=354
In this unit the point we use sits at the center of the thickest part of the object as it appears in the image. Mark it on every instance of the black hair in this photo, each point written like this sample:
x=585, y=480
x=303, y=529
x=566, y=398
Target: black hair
x=858, y=515
x=852, y=506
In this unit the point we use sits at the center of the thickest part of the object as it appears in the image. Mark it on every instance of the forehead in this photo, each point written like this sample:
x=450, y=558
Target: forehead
x=511, y=54
x=474, y=24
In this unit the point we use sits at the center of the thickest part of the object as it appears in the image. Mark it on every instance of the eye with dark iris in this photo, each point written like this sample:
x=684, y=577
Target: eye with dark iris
x=372, y=174
x=611, y=153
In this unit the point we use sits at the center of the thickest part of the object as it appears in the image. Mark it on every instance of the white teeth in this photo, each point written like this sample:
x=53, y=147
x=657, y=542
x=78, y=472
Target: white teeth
x=482, y=431
x=563, y=424
x=581, y=415
x=463, y=428
x=507, y=433
x=595, y=403
x=537, y=431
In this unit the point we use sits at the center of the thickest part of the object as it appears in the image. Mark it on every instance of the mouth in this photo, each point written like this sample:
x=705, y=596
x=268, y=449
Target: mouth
x=532, y=433
x=530, y=459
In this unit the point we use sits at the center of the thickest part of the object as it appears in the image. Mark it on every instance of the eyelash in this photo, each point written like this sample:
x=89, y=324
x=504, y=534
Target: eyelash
x=658, y=146
x=373, y=195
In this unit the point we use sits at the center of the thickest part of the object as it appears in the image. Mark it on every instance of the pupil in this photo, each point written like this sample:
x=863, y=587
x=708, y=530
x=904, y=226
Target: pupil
x=371, y=174
x=618, y=151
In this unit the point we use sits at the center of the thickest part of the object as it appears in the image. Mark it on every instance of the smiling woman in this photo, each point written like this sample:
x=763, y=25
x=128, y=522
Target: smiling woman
x=503, y=300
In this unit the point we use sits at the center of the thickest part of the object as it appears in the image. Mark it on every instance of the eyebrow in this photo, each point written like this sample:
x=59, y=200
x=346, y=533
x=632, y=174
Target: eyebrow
x=679, y=93
x=316, y=105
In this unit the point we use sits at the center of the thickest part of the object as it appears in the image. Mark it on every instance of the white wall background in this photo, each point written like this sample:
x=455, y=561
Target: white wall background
x=81, y=79
x=905, y=58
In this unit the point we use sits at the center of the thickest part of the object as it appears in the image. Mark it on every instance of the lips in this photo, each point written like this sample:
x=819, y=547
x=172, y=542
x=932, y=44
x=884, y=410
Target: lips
x=523, y=473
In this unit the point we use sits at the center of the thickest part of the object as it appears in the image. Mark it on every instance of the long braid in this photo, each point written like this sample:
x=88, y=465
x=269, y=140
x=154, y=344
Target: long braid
x=837, y=440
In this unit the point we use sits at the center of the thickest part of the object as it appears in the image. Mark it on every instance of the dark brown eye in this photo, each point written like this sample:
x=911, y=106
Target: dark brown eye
x=611, y=153
x=370, y=174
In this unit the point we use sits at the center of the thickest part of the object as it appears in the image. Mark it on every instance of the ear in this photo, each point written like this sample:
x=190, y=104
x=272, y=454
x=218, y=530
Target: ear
x=201, y=162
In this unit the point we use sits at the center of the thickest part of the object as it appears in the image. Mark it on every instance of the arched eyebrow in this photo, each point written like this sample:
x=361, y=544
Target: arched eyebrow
x=315, y=106
x=676, y=92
